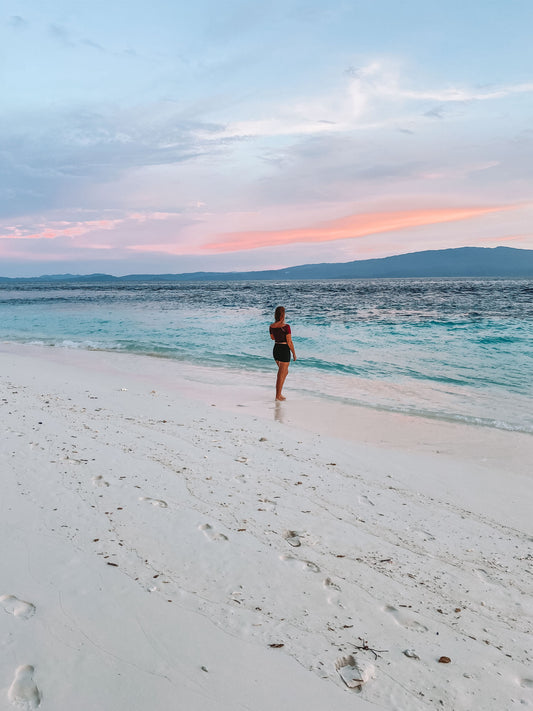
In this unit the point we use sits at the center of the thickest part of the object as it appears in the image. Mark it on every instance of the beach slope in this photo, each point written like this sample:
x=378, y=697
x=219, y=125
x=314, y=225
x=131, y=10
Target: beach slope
x=165, y=550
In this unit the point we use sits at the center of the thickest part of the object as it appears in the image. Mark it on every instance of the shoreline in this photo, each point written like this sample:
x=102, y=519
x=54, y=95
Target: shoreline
x=158, y=525
x=424, y=399
x=253, y=394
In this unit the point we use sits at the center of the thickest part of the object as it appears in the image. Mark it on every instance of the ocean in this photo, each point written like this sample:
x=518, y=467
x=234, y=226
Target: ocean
x=452, y=349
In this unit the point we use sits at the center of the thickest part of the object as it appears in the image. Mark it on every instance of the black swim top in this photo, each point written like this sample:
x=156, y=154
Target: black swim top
x=280, y=333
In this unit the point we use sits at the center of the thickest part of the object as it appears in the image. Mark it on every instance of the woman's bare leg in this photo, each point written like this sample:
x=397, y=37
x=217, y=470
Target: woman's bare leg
x=283, y=369
x=278, y=380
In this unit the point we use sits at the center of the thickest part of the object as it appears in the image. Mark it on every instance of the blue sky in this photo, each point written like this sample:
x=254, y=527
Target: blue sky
x=157, y=137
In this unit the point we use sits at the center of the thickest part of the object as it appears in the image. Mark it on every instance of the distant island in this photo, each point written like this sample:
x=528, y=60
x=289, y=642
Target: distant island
x=460, y=262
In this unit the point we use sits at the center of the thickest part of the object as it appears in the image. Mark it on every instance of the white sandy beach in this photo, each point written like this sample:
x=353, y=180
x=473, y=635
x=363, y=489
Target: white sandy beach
x=168, y=544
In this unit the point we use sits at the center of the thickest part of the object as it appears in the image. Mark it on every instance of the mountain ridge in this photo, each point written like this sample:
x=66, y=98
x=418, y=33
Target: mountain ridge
x=455, y=262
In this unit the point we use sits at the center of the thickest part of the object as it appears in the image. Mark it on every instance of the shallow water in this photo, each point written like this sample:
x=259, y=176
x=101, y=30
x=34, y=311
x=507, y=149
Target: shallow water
x=456, y=349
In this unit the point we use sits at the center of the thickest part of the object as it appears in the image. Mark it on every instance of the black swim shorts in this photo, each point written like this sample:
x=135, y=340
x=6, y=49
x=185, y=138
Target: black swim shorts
x=282, y=352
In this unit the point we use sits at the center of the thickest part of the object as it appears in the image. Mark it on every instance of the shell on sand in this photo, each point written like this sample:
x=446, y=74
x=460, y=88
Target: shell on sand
x=354, y=672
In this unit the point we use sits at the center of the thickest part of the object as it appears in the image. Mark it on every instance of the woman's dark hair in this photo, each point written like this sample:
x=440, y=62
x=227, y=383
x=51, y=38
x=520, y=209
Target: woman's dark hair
x=279, y=313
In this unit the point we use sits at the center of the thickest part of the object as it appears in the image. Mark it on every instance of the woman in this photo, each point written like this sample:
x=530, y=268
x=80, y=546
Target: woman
x=281, y=333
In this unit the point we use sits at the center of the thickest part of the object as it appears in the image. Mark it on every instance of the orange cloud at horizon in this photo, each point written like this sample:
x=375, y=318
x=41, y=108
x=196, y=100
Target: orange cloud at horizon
x=348, y=227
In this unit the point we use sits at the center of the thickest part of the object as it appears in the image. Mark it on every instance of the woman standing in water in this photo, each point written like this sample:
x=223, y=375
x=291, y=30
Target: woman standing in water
x=281, y=333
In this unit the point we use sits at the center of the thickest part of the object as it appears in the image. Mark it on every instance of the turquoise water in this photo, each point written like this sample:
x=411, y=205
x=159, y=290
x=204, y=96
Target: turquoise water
x=447, y=348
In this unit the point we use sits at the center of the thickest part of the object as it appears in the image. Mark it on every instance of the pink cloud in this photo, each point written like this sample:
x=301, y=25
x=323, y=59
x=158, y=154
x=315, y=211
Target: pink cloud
x=511, y=238
x=348, y=227
x=174, y=249
x=77, y=229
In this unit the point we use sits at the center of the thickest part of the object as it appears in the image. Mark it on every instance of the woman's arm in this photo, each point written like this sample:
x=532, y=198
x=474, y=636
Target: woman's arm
x=291, y=345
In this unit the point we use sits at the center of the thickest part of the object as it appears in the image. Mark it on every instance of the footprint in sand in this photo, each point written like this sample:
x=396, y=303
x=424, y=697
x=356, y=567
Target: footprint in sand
x=354, y=672
x=330, y=585
x=486, y=577
x=155, y=502
x=304, y=564
x=210, y=533
x=526, y=683
x=99, y=481
x=292, y=538
x=333, y=592
x=16, y=607
x=268, y=505
x=23, y=692
x=363, y=499
x=425, y=535
x=405, y=620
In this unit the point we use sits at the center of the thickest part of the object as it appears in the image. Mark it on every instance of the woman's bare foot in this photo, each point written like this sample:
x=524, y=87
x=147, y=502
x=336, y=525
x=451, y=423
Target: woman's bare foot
x=281, y=397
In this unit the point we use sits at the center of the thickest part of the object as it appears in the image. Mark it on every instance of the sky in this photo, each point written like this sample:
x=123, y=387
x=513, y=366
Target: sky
x=159, y=137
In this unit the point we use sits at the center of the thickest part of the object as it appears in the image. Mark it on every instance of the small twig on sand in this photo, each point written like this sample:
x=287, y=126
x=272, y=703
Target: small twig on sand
x=366, y=648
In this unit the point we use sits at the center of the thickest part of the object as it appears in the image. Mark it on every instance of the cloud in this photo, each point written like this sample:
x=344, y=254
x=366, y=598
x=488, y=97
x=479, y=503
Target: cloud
x=349, y=227
x=454, y=94
x=373, y=96
x=381, y=79
x=64, y=228
x=61, y=35
x=17, y=22
x=437, y=112
x=94, y=45
x=51, y=161
x=524, y=238
x=361, y=146
x=177, y=249
x=66, y=38
x=113, y=238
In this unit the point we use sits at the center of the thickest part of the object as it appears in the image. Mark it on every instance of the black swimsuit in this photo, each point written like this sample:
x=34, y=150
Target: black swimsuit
x=281, y=352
